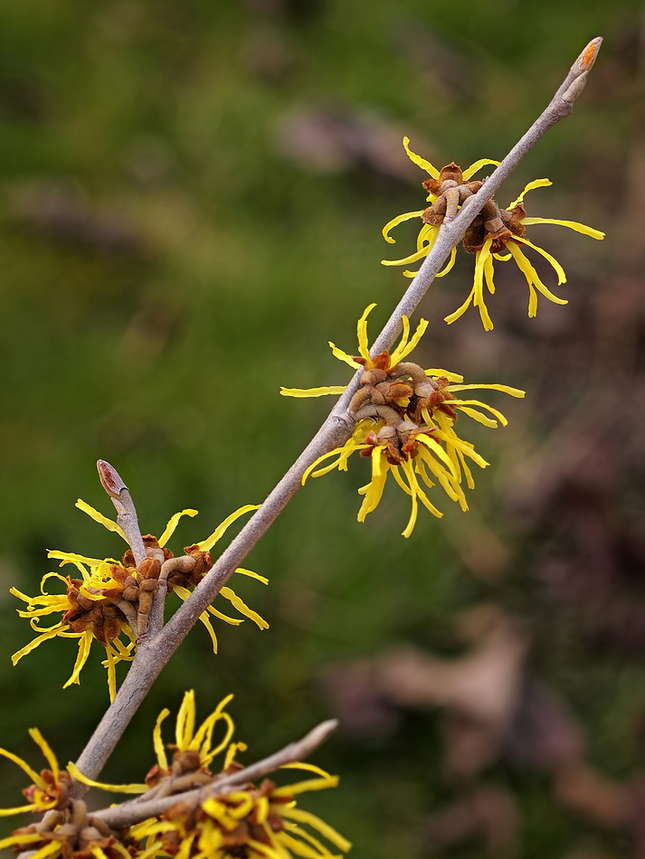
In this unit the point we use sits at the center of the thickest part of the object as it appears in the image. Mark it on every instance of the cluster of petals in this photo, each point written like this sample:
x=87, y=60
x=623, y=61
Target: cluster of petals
x=496, y=234
x=255, y=822
x=110, y=601
x=404, y=421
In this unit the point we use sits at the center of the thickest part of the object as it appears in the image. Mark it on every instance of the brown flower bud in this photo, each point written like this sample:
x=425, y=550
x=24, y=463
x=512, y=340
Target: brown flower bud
x=149, y=568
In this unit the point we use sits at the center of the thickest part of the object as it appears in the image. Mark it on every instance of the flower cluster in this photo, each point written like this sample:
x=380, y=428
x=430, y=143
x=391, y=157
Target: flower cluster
x=241, y=819
x=255, y=822
x=111, y=601
x=404, y=421
x=493, y=232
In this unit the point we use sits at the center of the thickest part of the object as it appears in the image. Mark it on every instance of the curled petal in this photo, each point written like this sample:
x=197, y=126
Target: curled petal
x=533, y=280
x=419, y=161
x=477, y=166
x=325, y=830
x=404, y=348
x=396, y=221
x=84, y=645
x=341, y=452
x=450, y=264
x=427, y=236
x=207, y=544
x=79, y=561
x=172, y=525
x=536, y=183
x=477, y=292
x=456, y=314
x=420, y=254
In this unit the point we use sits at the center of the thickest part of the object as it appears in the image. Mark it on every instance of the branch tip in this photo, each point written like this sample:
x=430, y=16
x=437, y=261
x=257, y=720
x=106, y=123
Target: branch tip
x=587, y=58
x=320, y=734
x=110, y=479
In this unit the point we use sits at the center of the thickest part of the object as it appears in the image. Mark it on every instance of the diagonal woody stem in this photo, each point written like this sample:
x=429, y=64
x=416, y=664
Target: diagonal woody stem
x=153, y=654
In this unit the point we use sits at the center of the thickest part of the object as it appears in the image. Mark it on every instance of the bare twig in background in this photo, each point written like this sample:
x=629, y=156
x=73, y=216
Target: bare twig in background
x=153, y=653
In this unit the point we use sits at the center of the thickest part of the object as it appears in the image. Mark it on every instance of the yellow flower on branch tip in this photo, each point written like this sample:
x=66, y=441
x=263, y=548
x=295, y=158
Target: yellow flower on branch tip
x=404, y=422
x=49, y=789
x=492, y=232
x=94, y=605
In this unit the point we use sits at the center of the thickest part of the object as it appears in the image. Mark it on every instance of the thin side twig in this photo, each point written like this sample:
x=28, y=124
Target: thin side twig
x=134, y=811
x=153, y=654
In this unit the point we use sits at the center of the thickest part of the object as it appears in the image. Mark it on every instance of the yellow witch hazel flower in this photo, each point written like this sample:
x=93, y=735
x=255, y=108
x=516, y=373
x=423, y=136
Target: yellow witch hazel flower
x=404, y=420
x=111, y=600
x=495, y=234
x=51, y=788
x=194, y=751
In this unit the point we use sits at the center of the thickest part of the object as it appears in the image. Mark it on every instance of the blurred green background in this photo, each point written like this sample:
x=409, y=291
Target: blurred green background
x=192, y=195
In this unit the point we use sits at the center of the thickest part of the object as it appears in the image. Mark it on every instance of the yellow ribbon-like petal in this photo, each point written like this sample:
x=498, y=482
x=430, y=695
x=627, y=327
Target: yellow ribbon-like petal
x=536, y=183
x=115, y=788
x=448, y=267
x=157, y=741
x=302, y=393
x=84, y=644
x=419, y=161
x=172, y=525
x=396, y=221
x=207, y=544
x=572, y=225
x=100, y=518
x=303, y=786
x=252, y=575
x=185, y=724
x=45, y=748
x=361, y=332
x=243, y=608
x=404, y=348
x=474, y=168
x=505, y=389
x=324, y=828
x=343, y=356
